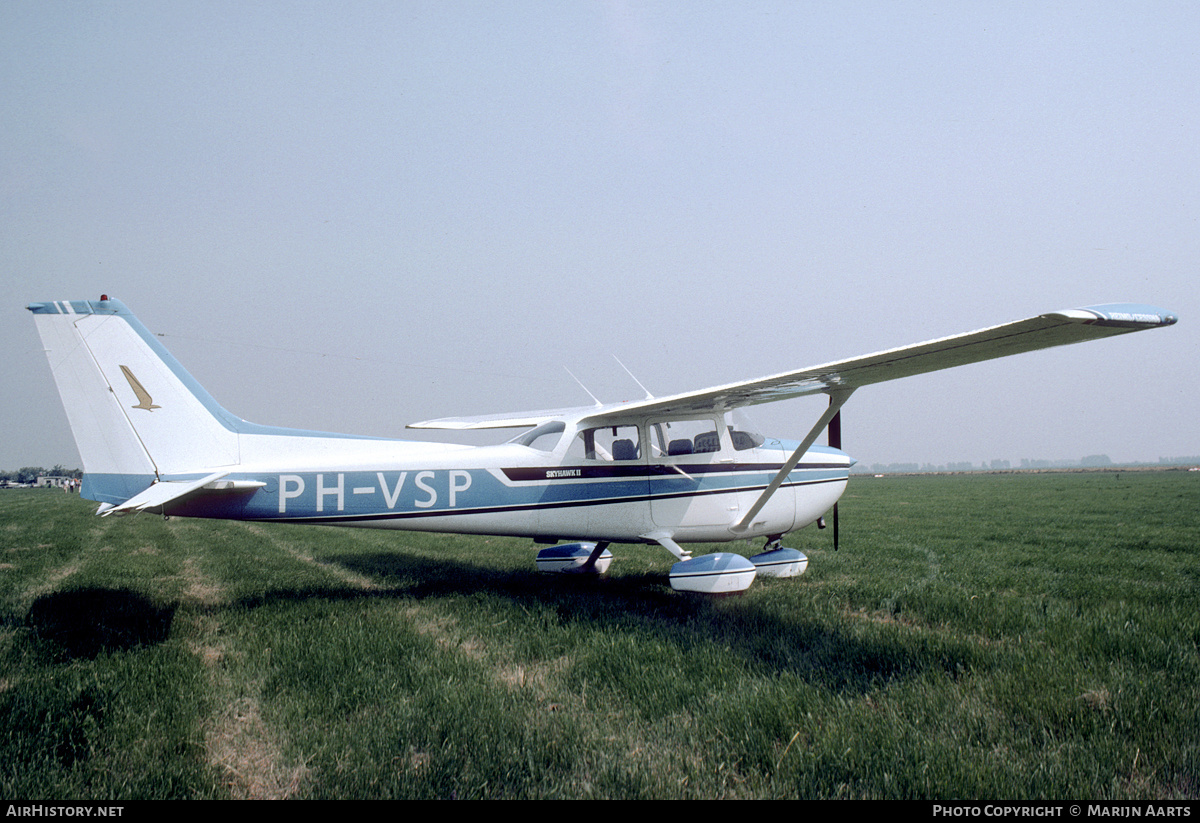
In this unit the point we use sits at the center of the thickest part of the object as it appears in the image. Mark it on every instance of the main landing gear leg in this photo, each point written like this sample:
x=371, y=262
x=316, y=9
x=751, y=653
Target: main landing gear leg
x=589, y=565
x=575, y=558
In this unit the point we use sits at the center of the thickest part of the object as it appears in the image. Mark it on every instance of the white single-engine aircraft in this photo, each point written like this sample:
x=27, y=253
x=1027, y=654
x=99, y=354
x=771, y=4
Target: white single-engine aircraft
x=667, y=470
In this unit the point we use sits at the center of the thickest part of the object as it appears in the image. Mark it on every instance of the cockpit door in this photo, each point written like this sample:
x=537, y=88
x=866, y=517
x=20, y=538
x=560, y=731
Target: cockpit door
x=693, y=478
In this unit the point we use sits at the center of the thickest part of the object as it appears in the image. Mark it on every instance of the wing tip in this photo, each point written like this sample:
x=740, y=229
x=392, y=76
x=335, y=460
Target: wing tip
x=1120, y=315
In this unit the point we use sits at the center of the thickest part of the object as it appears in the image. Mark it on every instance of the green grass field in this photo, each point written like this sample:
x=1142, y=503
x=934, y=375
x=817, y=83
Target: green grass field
x=977, y=637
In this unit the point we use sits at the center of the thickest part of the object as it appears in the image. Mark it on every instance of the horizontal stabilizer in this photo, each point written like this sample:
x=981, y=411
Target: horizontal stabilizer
x=159, y=494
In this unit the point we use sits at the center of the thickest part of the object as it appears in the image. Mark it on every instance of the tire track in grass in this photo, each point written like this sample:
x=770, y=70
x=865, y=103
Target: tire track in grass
x=89, y=543
x=429, y=620
x=287, y=548
x=248, y=751
x=239, y=743
x=444, y=630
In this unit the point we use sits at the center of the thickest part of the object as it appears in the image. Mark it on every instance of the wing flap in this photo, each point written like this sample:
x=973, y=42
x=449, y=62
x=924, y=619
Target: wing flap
x=500, y=421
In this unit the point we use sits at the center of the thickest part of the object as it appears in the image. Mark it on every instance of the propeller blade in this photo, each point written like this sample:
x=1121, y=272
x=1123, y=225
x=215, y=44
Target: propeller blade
x=835, y=441
x=835, y=431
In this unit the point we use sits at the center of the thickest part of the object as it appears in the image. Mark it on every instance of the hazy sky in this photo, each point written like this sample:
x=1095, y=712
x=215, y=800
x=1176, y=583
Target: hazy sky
x=351, y=216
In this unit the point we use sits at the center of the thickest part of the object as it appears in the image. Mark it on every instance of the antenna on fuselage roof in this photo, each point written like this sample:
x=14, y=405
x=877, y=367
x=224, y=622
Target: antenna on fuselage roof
x=585, y=388
x=649, y=396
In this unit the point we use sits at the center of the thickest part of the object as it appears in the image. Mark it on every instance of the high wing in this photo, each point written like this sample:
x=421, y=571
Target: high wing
x=1045, y=331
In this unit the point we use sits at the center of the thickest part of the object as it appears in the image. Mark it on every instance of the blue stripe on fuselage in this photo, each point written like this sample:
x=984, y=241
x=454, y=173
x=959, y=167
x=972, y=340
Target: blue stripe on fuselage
x=366, y=495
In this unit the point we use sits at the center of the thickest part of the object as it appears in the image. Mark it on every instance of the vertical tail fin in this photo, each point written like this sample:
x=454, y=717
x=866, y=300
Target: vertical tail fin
x=136, y=414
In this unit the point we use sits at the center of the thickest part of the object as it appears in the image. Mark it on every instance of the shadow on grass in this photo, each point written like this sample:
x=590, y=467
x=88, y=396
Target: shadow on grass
x=83, y=623
x=836, y=657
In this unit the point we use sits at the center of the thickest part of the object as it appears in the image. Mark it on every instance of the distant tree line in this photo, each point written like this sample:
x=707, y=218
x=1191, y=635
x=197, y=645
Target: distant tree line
x=28, y=474
x=1090, y=461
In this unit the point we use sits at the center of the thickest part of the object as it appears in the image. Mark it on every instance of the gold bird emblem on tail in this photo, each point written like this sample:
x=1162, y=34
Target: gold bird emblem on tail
x=145, y=401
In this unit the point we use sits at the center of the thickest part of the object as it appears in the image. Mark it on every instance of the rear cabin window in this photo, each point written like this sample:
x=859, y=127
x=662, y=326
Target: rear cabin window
x=543, y=438
x=683, y=438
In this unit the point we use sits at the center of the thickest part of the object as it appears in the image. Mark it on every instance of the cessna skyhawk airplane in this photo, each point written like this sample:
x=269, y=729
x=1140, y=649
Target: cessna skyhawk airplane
x=667, y=470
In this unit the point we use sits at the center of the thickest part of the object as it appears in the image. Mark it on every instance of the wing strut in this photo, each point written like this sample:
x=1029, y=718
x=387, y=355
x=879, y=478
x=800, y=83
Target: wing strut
x=837, y=398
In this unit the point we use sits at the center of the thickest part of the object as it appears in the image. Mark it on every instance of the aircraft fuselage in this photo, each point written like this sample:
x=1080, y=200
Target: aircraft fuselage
x=508, y=489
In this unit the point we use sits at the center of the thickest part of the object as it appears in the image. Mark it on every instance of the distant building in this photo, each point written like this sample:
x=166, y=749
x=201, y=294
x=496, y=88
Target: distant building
x=55, y=481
